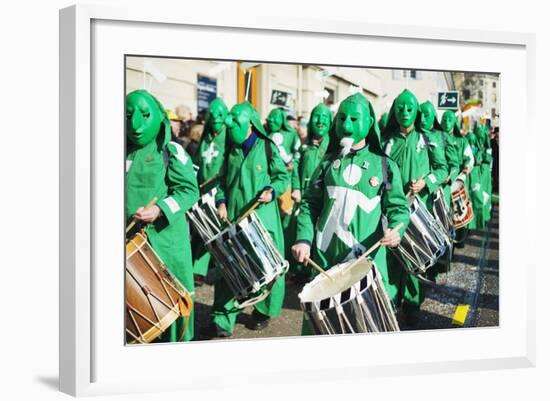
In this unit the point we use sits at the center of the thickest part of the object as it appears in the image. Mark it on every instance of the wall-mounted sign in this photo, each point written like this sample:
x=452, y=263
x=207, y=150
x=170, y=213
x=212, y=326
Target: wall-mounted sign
x=207, y=88
x=447, y=100
x=280, y=98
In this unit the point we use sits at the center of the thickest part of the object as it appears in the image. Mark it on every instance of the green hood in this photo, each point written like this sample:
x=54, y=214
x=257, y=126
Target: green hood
x=372, y=137
x=215, y=105
x=320, y=108
x=393, y=125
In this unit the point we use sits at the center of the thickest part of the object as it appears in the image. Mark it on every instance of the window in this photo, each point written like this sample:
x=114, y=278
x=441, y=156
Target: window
x=494, y=84
x=480, y=94
x=413, y=74
x=329, y=100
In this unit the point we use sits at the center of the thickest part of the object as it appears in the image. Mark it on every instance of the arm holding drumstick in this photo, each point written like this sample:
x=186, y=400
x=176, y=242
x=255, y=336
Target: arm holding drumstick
x=146, y=214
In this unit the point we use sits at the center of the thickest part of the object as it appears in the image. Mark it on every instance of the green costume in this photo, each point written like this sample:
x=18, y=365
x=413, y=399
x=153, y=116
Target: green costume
x=416, y=159
x=283, y=135
x=246, y=173
x=477, y=194
x=464, y=155
x=350, y=191
x=156, y=167
x=209, y=159
x=486, y=182
x=383, y=121
x=311, y=154
x=435, y=133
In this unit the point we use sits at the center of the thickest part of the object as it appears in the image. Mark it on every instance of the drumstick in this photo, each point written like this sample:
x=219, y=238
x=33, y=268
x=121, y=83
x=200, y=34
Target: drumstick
x=419, y=178
x=134, y=221
x=317, y=267
x=372, y=248
x=249, y=211
x=208, y=181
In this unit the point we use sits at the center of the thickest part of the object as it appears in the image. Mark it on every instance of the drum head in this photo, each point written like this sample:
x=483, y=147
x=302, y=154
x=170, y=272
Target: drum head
x=344, y=277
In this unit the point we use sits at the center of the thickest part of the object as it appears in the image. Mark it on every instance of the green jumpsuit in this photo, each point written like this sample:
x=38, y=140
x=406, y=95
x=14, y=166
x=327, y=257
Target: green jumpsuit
x=209, y=158
x=244, y=178
x=311, y=154
x=475, y=179
x=163, y=169
x=416, y=159
x=342, y=208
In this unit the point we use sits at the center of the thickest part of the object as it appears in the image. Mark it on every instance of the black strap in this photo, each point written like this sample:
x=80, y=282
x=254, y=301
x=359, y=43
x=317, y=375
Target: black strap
x=268, y=155
x=385, y=180
x=165, y=156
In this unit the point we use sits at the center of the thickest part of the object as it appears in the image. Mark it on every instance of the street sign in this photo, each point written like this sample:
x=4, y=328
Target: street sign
x=280, y=98
x=447, y=100
x=206, y=92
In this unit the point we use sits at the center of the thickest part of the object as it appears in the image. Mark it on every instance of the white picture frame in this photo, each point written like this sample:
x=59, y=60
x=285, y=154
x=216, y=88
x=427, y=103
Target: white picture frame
x=92, y=363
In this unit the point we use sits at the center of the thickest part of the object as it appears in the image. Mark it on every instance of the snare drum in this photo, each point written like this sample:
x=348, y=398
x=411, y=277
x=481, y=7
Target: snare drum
x=424, y=241
x=462, y=207
x=248, y=260
x=154, y=297
x=355, y=301
x=204, y=218
x=442, y=214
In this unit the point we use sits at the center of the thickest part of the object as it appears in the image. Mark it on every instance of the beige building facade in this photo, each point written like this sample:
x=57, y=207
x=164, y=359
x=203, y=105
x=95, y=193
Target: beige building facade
x=296, y=87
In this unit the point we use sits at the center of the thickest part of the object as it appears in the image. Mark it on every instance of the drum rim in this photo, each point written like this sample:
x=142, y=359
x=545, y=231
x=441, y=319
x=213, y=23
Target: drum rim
x=327, y=303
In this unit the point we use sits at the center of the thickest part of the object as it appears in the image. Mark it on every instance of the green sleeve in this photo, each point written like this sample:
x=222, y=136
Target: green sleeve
x=279, y=176
x=220, y=186
x=451, y=154
x=295, y=184
x=438, y=165
x=310, y=208
x=394, y=204
x=183, y=191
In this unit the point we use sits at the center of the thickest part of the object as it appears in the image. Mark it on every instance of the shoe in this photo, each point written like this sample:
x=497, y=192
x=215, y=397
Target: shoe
x=215, y=331
x=411, y=316
x=221, y=333
x=259, y=321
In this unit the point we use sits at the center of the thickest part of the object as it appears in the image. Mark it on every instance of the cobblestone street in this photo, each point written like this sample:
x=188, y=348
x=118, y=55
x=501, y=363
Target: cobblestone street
x=472, y=283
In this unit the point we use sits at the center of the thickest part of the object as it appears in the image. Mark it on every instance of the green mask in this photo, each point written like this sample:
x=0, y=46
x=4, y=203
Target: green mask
x=274, y=121
x=239, y=120
x=353, y=119
x=448, y=121
x=406, y=109
x=216, y=115
x=144, y=116
x=427, y=116
x=320, y=120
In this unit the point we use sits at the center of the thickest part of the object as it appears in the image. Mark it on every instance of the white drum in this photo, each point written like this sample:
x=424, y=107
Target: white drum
x=248, y=259
x=424, y=241
x=353, y=301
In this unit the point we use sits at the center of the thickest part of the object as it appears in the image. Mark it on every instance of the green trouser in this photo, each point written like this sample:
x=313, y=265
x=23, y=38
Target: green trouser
x=224, y=314
x=201, y=258
x=486, y=185
x=476, y=197
x=405, y=286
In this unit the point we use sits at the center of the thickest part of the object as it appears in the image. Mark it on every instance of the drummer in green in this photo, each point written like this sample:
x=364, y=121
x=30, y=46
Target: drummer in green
x=423, y=168
x=311, y=154
x=465, y=158
x=158, y=168
x=355, y=185
x=252, y=171
x=209, y=158
x=288, y=143
x=435, y=134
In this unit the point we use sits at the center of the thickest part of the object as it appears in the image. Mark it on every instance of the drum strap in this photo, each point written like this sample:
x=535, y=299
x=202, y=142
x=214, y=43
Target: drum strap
x=385, y=181
x=268, y=155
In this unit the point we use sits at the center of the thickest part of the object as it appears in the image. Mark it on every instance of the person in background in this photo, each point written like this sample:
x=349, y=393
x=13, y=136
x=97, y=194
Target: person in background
x=175, y=124
x=184, y=113
x=302, y=129
x=195, y=134
x=291, y=120
x=209, y=159
x=494, y=152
